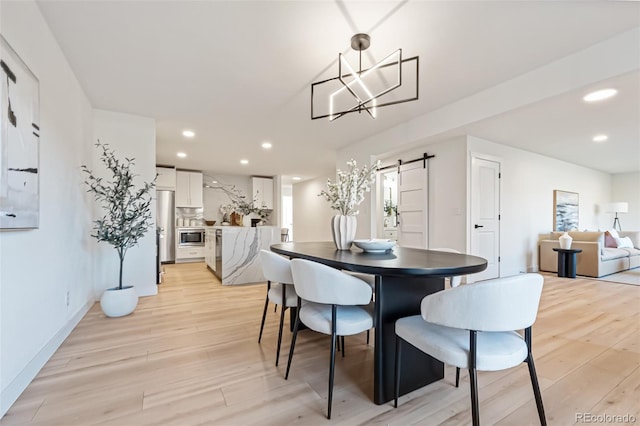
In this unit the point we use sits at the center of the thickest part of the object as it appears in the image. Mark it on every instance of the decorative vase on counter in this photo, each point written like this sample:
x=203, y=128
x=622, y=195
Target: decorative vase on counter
x=343, y=229
x=236, y=219
x=565, y=241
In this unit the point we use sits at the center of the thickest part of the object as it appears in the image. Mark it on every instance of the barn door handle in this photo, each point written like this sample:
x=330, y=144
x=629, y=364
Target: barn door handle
x=478, y=226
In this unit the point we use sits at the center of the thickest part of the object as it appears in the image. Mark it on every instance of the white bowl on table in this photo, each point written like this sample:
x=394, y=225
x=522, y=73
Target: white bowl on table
x=375, y=245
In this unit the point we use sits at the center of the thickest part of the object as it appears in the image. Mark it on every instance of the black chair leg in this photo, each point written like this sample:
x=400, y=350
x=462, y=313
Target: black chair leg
x=293, y=341
x=282, y=309
x=536, y=390
x=264, y=315
x=275, y=308
x=534, y=377
x=343, y=348
x=457, y=376
x=473, y=378
x=396, y=386
x=368, y=336
x=332, y=363
x=473, y=381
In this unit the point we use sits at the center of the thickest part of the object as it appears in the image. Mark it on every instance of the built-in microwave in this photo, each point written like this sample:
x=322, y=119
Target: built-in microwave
x=191, y=237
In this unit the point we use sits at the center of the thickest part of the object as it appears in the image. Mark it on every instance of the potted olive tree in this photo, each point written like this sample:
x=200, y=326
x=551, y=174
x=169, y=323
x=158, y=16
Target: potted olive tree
x=126, y=218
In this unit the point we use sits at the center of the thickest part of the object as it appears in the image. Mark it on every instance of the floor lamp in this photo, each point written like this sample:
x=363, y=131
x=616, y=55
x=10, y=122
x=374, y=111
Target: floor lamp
x=619, y=207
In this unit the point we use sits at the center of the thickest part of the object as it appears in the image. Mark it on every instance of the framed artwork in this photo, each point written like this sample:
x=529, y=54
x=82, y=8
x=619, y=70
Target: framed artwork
x=19, y=142
x=565, y=210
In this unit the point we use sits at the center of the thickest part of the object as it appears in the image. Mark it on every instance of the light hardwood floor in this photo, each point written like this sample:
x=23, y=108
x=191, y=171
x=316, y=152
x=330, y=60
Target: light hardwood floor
x=190, y=356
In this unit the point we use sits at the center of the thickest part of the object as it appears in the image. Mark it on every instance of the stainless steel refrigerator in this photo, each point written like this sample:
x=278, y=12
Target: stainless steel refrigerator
x=166, y=223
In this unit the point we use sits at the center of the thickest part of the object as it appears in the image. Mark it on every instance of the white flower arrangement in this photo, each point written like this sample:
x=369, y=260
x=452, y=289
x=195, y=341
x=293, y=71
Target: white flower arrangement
x=348, y=191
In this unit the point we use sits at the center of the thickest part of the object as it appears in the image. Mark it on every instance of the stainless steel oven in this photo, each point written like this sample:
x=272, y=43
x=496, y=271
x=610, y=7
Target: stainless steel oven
x=191, y=237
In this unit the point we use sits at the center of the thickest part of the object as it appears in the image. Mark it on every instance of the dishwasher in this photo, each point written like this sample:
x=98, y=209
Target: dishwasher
x=218, y=254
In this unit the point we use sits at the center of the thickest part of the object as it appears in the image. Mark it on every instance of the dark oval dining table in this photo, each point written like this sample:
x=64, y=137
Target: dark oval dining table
x=403, y=277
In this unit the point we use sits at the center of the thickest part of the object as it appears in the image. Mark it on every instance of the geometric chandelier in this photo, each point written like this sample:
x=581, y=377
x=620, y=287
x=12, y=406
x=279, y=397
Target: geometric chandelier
x=390, y=81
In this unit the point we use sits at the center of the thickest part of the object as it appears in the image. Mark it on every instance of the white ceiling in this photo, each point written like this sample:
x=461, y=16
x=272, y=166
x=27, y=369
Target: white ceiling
x=239, y=73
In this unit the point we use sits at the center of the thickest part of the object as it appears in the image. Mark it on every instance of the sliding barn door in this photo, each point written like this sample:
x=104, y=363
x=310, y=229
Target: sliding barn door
x=412, y=205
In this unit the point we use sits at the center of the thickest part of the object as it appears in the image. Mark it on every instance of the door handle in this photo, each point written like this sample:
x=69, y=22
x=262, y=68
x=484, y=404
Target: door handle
x=478, y=226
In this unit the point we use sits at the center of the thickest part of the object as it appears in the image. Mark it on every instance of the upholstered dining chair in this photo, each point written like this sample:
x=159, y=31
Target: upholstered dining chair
x=453, y=282
x=371, y=280
x=475, y=327
x=280, y=290
x=335, y=303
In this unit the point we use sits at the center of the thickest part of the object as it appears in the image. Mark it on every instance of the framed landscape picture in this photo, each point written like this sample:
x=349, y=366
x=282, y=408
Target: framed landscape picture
x=19, y=142
x=565, y=210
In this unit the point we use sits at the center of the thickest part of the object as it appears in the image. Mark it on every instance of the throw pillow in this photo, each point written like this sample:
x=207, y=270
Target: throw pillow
x=624, y=242
x=609, y=240
x=614, y=233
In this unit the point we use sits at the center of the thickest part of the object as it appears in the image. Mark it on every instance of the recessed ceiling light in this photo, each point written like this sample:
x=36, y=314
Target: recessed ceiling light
x=296, y=178
x=214, y=181
x=599, y=95
x=266, y=145
x=181, y=154
x=188, y=133
x=600, y=138
x=244, y=161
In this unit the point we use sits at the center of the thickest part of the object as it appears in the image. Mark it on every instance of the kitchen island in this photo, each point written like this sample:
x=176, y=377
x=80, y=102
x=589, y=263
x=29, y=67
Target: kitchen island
x=235, y=252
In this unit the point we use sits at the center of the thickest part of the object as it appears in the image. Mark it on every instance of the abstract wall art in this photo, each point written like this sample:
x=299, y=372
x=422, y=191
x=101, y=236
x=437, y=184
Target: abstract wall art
x=19, y=142
x=565, y=210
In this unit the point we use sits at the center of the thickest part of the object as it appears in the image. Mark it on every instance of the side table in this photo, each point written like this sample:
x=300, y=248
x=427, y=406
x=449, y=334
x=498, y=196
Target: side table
x=567, y=262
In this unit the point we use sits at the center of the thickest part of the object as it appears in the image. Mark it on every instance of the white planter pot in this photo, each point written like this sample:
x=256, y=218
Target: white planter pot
x=344, y=231
x=565, y=241
x=118, y=303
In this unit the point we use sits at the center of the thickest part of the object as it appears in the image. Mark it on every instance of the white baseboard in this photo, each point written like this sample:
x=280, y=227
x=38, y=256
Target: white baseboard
x=10, y=394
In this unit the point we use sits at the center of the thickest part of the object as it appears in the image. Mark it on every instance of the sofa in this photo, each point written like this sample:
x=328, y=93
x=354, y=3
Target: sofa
x=596, y=260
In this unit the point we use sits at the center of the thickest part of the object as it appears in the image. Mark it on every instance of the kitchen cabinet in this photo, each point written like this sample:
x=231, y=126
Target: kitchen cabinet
x=390, y=233
x=189, y=254
x=262, y=192
x=166, y=179
x=188, y=189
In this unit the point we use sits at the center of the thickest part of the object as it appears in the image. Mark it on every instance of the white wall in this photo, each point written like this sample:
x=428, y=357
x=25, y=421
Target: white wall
x=312, y=214
x=527, y=185
x=626, y=187
x=38, y=267
x=132, y=137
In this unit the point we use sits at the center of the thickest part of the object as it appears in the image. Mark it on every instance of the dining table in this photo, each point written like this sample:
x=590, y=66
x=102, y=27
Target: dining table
x=403, y=277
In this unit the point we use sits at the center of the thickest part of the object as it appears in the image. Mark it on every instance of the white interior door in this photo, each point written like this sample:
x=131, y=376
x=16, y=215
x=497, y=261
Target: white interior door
x=485, y=215
x=412, y=205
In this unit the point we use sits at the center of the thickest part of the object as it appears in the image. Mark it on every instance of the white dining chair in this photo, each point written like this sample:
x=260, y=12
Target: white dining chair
x=453, y=282
x=475, y=327
x=335, y=303
x=280, y=290
x=371, y=280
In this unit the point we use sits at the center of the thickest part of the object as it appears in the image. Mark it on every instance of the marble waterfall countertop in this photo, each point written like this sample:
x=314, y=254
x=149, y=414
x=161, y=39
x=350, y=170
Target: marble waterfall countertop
x=241, y=247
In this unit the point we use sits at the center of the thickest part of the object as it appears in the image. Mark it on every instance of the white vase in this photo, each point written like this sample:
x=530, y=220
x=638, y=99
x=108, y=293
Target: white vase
x=118, y=303
x=565, y=241
x=344, y=231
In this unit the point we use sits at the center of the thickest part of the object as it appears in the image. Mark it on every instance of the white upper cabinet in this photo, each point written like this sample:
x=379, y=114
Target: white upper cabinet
x=188, y=189
x=166, y=178
x=263, y=192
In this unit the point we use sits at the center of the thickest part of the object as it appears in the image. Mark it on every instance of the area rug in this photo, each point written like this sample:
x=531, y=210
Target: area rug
x=631, y=276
